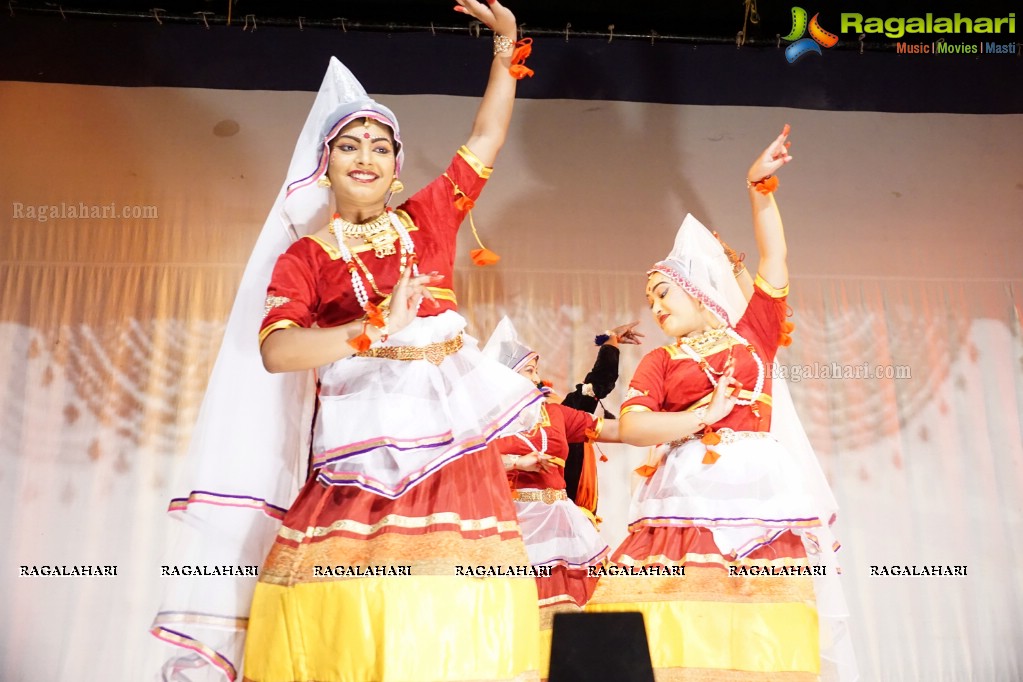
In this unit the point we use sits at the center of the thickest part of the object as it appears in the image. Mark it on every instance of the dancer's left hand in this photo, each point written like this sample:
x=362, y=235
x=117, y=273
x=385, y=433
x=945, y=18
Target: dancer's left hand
x=493, y=14
x=772, y=158
x=626, y=333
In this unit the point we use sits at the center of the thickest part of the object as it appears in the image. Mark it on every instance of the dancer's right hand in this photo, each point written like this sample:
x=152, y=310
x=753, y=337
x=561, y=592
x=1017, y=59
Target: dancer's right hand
x=725, y=395
x=407, y=296
x=534, y=461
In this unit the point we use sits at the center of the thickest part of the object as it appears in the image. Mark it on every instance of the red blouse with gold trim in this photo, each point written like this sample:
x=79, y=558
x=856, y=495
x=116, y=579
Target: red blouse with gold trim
x=668, y=379
x=562, y=425
x=311, y=283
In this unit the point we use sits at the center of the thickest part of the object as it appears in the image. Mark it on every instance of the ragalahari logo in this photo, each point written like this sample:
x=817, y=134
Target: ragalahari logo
x=818, y=36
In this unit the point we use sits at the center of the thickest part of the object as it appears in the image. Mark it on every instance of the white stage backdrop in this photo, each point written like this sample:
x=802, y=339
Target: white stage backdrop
x=905, y=245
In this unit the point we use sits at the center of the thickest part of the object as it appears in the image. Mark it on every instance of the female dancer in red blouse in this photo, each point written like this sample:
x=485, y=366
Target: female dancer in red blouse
x=361, y=582
x=562, y=542
x=723, y=496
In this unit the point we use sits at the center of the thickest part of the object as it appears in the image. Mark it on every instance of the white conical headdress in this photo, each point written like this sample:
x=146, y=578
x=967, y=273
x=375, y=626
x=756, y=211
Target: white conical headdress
x=699, y=265
x=505, y=347
x=340, y=100
x=250, y=446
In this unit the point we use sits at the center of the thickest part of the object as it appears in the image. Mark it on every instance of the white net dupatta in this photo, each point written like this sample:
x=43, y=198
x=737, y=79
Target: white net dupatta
x=249, y=451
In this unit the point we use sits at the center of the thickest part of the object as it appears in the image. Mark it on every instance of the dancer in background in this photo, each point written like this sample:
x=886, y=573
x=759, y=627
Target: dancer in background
x=562, y=542
x=581, y=462
x=733, y=491
x=361, y=582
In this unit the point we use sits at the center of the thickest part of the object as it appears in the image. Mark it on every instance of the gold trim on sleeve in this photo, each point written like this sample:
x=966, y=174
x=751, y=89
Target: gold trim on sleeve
x=442, y=294
x=279, y=324
x=474, y=162
x=633, y=408
x=771, y=291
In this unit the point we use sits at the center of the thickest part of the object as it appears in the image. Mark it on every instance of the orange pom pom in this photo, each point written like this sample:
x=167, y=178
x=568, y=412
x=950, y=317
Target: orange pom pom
x=361, y=342
x=603, y=457
x=710, y=438
x=483, y=257
x=374, y=315
x=711, y=457
x=784, y=338
x=464, y=203
x=646, y=471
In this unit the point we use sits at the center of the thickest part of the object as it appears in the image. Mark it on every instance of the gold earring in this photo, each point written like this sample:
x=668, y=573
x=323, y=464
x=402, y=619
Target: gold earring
x=396, y=186
x=324, y=181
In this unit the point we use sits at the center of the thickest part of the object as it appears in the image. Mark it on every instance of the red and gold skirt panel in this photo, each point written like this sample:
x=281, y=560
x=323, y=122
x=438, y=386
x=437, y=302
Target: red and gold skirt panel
x=709, y=624
x=362, y=588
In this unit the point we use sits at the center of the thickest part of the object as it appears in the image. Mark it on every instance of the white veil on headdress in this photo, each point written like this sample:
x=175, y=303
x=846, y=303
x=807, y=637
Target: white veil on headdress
x=250, y=446
x=698, y=263
x=505, y=347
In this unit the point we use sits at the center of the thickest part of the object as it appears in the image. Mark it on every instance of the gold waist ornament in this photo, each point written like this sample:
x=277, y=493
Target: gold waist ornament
x=433, y=353
x=547, y=495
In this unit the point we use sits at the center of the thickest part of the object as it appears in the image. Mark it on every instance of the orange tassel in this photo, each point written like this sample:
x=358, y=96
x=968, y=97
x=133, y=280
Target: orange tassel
x=710, y=438
x=483, y=257
x=646, y=471
x=361, y=342
x=374, y=315
x=711, y=457
x=464, y=203
x=518, y=70
x=603, y=457
x=766, y=185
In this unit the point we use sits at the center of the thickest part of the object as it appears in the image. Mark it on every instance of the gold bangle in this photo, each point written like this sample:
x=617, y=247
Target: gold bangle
x=502, y=44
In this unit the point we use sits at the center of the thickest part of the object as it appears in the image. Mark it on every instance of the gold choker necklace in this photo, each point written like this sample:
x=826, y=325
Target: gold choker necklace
x=376, y=233
x=704, y=340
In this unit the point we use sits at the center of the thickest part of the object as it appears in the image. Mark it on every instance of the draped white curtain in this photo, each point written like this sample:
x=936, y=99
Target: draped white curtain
x=905, y=238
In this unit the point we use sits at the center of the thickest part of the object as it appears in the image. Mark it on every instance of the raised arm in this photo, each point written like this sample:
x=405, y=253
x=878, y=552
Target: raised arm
x=492, y=119
x=767, y=225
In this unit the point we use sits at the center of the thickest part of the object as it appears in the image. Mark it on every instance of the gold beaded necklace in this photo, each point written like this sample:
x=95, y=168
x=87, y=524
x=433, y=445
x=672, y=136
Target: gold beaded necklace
x=703, y=341
x=355, y=263
x=376, y=233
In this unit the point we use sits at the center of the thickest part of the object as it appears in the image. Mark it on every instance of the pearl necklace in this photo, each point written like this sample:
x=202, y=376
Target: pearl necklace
x=408, y=247
x=705, y=366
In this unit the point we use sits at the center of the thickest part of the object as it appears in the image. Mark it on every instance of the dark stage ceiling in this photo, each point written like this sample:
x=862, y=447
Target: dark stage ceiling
x=699, y=21
x=708, y=52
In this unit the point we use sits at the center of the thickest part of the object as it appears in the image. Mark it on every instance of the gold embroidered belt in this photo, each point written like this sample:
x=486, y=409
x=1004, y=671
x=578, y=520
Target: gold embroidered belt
x=434, y=352
x=547, y=495
x=728, y=436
